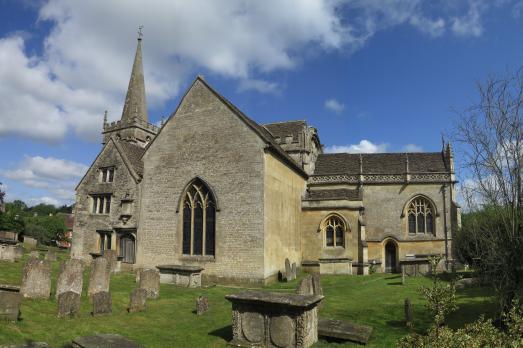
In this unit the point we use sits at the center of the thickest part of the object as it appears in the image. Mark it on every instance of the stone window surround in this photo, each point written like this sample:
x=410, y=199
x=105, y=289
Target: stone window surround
x=105, y=236
x=202, y=195
x=100, y=200
x=430, y=209
x=327, y=221
x=106, y=174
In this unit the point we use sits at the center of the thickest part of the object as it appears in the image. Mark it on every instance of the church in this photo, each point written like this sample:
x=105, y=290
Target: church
x=213, y=188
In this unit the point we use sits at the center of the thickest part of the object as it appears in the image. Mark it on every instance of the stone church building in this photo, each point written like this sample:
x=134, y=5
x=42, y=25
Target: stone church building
x=213, y=188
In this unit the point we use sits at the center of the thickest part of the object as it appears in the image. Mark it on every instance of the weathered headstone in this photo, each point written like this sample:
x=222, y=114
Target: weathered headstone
x=19, y=252
x=150, y=281
x=36, y=279
x=68, y=304
x=408, y=313
x=102, y=303
x=306, y=286
x=138, y=300
x=70, y=277
x=294, y=271
x=202, y=305
x=50, y=255
x=29, y=344
x=288, y=270
x=402, y=275
x=137, y=275
x=112, y=259
x=100, y=276
x=344, y=330
x=316, y=284
x=467, y=283
x=104, y=341
x=34, y=254
x=10, y=305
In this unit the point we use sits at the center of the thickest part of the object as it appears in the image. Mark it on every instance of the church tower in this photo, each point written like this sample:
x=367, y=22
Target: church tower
x=134, y=126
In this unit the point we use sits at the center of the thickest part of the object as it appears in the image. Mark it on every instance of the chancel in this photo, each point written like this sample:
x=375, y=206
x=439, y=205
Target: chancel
x=213, y=190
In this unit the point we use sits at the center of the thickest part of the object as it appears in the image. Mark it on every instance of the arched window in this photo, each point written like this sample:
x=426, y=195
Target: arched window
x=420, y=214
x=199, y=219
x=334, y=229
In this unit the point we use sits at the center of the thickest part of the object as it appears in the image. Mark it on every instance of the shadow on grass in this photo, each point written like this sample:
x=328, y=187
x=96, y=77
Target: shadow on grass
x=224, y=333
x=396, y=323
x=395, y=283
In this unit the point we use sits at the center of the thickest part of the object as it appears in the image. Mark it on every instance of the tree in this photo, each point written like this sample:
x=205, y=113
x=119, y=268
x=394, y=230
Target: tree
x=491, y=135
x=2, y=197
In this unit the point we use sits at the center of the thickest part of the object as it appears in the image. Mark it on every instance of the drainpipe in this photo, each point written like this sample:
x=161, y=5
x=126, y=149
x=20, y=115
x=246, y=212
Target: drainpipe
x=443, y=193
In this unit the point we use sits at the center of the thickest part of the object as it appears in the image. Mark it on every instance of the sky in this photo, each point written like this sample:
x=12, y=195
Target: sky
x=370, y=75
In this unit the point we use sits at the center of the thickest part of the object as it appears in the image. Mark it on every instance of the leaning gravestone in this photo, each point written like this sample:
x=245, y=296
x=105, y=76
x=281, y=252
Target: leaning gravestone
x=100, y=276
x=138, y=300
x=36, y=279
x=34, y=254
x=10, y=299
x=288, y=270
x=150, y=281
x=68, y=304
x=293, y=269
x=112, y=259
x=70, y=277
x=50, y=255
x=104, y=341
x=344, y=330
x=102, y=303
x=202, y=305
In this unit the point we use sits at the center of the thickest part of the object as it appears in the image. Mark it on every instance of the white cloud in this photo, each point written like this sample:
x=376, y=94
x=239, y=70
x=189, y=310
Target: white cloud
x=470, y=24
x=57, y=177
x=46, y=200
x=412, y=148
x=86, y=62
x=364, y=146
x=334, y=106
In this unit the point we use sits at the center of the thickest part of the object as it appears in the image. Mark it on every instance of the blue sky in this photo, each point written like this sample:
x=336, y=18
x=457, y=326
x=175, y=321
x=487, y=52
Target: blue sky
x=371, y=75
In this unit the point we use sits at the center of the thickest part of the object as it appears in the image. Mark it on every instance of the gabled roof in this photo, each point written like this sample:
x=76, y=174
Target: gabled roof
x=285, y=129
x=263, y=133
x=131, y=156
x=381, y=163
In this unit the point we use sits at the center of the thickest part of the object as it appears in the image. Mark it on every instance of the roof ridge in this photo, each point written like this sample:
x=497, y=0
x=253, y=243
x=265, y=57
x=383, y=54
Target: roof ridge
x=280, y=122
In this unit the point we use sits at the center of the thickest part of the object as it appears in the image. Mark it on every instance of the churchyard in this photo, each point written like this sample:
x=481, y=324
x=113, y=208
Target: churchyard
x=171, y=319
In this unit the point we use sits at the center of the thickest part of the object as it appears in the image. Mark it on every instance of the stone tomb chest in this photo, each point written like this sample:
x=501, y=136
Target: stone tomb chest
x=274, y=319
x=182, y=275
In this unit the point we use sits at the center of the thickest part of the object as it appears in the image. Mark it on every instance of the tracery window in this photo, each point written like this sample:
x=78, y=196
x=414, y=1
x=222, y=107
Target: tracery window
x=420, y=216
x=198, y=220
x=334, y=229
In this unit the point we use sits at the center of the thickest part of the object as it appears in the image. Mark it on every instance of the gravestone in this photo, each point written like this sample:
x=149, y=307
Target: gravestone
x=112, y=259
x=293, y=269
x=100, y=276
x=70, y=277
x=288, y=270
x=265, y=319
x=408, y=313
x=137, y=275
x=104, y=341
x=138, y=300
x=10, y=299
x=305, y=287
x=202, y=305
x=19, y=252
x=467, y=283
x=50, y=255
x=150, y=281
x=316, y=284
x=403, y=275
x=344, y=330
x=36, y=279
x=102, y=303
x=34, y=254
x=68, y=304
x=29, y=344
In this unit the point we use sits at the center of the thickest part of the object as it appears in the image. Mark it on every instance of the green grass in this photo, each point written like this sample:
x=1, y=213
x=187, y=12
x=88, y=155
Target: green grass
x=169, y=321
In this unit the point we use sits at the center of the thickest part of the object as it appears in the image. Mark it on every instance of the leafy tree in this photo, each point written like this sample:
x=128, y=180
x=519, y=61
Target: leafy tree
x=2, y=195
x=45, y=228
x=43, y=209
x=16, y=207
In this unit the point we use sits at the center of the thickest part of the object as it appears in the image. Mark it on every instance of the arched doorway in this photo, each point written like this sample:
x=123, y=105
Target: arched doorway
x=127, y=248
x=390, y=257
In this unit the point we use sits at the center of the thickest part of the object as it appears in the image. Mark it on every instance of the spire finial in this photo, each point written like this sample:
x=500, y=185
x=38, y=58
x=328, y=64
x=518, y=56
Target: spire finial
x=140, y=34
x=105, y=118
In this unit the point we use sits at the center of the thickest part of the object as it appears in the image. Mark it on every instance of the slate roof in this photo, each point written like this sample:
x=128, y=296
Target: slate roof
x=336, y=194
x=380, y=163
x=134, y=155
x=284, y=129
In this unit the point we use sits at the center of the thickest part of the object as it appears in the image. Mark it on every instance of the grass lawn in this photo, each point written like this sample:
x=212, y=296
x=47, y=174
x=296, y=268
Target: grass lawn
x=375, y=300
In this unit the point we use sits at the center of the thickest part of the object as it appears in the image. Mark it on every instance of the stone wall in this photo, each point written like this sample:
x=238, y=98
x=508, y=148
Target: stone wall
x=283, y=191
x=86, y=224
x=205, y=139
x=313, y=240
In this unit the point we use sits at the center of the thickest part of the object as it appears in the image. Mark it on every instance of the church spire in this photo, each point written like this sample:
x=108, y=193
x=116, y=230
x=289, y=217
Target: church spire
x=135, y=104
